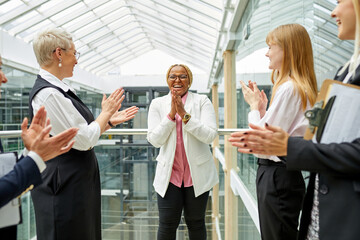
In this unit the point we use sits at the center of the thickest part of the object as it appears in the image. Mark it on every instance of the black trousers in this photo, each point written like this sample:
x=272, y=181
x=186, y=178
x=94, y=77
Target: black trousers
x=170, y=209
x=8, y=233
x=280, y=196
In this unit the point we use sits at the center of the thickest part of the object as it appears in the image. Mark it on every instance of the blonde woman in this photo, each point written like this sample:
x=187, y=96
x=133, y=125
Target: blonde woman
x=280, y=192
x=332, y=202
x=182, y=124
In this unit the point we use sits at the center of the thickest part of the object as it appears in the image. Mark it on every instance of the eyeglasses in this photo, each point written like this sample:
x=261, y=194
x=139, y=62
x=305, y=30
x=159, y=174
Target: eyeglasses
x=181, y=77
x=76, y=53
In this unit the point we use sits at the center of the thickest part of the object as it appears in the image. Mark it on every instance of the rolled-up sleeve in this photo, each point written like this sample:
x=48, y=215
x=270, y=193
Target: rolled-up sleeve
x=204, y=128
x=63, y=115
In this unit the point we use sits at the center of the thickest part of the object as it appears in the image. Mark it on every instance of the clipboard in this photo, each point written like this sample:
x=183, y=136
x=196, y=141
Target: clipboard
x=334, y=115
x=10, y=214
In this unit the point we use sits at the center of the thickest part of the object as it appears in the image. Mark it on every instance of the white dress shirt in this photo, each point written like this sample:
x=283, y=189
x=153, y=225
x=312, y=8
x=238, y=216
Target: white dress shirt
x=285, y=112
x=63, y=115
x=37, y=159
x=350, y=74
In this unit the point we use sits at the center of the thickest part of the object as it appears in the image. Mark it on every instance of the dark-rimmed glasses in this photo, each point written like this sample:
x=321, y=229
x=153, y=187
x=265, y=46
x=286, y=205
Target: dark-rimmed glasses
x=173, y=77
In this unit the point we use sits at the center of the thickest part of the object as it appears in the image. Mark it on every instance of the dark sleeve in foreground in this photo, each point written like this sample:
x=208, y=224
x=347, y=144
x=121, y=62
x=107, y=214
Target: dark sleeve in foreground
x=335, y=158
x=19, y=179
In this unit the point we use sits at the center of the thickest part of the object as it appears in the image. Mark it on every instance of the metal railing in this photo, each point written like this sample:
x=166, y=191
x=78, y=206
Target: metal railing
x=237, y=185
x=133, y=131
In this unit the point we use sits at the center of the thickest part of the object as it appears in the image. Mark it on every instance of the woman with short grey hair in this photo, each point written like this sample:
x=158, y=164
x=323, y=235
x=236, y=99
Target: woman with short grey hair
x=67, y=204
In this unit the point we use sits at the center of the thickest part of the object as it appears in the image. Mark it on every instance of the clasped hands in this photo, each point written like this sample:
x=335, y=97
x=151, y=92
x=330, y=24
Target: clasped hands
x=254, y=97
x=36, y=138
x=177, y=105
x=268, y=140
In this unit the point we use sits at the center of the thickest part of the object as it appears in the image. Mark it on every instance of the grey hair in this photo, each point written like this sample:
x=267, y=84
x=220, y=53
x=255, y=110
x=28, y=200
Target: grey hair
x=45, y=42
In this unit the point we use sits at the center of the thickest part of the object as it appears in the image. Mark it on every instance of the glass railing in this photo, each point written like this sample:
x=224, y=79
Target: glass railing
x=248, y=220
x=129, y=210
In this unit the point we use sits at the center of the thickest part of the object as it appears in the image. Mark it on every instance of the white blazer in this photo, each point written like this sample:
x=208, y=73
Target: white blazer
x=198, y=133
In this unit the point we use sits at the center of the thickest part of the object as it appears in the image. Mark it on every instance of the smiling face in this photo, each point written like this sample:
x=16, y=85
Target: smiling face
x=178, y=80
x=345, y=16
x=276, y=56
x=68, y=61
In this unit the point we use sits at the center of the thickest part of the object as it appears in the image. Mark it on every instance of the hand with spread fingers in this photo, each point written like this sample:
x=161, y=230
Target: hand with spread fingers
x=49, y=147
x=109, y=107
x=258, y=140
x=38, y=123
x=36, y=137
x=112, y=103
x=124, y=115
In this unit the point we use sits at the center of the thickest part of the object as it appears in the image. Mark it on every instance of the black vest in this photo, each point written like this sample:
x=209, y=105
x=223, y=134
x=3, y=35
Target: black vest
x=67, y=203
x=78, y=104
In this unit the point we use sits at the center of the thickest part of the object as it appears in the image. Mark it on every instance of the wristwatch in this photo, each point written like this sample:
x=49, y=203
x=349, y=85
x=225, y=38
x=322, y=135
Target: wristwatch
x=186, y=117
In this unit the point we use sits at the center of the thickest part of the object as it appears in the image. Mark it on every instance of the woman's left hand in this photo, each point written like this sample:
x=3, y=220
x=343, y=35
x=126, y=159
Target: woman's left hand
x=124, y=115
x=178, y=104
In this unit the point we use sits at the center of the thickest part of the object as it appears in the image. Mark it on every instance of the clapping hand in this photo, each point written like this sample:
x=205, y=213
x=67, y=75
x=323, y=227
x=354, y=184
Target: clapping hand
x=112, y=103
x=36, y=137
x=269, y=140
x=177, y=105
x=254, y=97
x=124, y=115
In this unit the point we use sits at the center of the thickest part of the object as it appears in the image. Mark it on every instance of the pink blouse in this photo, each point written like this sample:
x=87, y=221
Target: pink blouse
x=180, y=170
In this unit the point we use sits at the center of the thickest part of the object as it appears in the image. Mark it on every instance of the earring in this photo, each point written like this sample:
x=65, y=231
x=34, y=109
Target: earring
x=60, y=65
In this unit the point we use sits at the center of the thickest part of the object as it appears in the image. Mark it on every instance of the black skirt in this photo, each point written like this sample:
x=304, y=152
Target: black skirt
x=68, y=202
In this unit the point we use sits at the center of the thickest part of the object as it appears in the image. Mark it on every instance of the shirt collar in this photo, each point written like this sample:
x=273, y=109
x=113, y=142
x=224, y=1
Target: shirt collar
x=55, y=81
x=183, y=98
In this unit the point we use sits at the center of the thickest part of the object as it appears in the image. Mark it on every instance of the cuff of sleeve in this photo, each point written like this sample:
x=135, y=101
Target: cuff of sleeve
x=38, y=160
x=173, y=120
x=97, y=127
x=254, y=116
x=270, y=157
x=25, y=152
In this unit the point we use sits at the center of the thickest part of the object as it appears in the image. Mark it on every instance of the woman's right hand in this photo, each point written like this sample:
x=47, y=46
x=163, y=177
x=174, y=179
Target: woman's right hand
x=113, y=103
x=251, y=95
x=263, y=98
x=108, y=107
x=172, y=112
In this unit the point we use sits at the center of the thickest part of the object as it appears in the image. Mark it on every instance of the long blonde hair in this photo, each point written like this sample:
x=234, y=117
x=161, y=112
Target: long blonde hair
x=298, y=62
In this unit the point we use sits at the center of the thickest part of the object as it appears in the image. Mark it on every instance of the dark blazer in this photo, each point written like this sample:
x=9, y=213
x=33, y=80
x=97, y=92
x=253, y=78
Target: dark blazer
x=338, y=166
x=25, y=173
